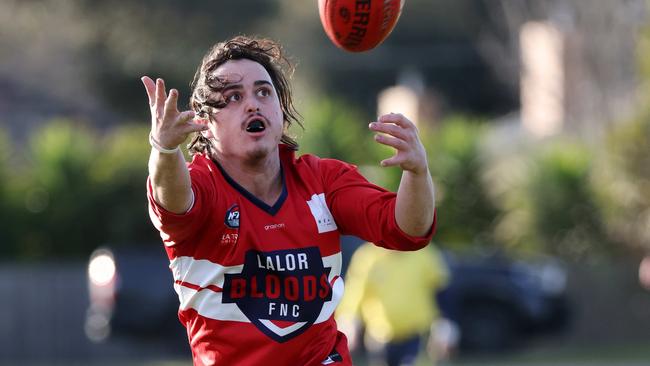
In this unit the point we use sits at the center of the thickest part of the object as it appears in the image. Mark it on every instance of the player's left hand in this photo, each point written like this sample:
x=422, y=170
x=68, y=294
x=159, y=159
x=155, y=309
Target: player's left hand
x=399, y=132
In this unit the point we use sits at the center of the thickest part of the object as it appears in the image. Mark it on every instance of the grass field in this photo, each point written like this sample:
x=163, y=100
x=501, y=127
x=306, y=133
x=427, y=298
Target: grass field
x=623, y=355
x=615, y=355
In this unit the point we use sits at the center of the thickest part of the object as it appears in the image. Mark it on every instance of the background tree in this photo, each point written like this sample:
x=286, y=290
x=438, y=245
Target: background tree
x=467, y=214
x=624, y=177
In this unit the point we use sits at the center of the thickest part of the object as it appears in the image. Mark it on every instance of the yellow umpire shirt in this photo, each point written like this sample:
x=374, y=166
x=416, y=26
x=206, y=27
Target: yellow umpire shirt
x=393, y=291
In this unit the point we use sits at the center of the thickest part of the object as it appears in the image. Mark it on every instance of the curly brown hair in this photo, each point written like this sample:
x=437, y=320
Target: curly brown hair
x=206, y=87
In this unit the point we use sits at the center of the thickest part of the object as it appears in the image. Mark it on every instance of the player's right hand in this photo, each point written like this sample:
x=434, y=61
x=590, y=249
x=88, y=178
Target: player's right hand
x=169, y=126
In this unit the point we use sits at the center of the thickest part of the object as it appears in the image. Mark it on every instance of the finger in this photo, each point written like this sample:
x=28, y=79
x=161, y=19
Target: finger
x=161, y=95
x=150, y=87
x=396, y=118
x=398, y=144
x=194, y=127
x=392, y=161
x=388, y=128
x=171, y=102
x=186, y=116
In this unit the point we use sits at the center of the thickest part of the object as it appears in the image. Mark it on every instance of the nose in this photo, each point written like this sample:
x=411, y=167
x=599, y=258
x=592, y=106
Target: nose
x=252, y=106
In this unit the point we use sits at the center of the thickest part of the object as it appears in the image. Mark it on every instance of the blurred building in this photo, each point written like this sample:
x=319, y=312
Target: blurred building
x=578, y=66
x=411, y=97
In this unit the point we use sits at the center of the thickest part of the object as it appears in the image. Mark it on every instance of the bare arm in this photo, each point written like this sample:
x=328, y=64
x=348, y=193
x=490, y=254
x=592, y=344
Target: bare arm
x=415, y=204
x=168, y=173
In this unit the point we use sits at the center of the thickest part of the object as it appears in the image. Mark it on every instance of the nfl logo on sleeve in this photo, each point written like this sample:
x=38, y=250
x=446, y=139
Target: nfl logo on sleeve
x=321, y=213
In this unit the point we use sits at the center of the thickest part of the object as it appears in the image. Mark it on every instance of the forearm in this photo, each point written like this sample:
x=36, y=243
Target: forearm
x=170, y=181
x=168, y=173
x=414, y=208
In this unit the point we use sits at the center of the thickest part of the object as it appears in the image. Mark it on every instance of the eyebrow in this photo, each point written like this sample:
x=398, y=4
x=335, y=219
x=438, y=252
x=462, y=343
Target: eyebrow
x=239, y=86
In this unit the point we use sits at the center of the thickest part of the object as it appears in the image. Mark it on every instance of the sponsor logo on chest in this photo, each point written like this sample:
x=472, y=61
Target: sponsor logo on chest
x=321, y=213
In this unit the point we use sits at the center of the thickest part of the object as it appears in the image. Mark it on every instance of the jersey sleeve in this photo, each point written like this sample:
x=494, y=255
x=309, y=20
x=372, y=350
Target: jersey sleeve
x=364, y=209
x=178, y=228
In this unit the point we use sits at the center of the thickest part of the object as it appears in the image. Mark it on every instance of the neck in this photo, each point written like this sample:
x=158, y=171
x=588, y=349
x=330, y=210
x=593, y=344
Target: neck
x=261, y=177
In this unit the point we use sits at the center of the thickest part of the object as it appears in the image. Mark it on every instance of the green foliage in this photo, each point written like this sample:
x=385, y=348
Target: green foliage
x=336, y=130
x=624, y=176
x=5, y=195
x=566, y=219
x=456, y=162
x=120, y=174
x=550, y=204
x=78, y=191
x=629, y=144
x=55, y=191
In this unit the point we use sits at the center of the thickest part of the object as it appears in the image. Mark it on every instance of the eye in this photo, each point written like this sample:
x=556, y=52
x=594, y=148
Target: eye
x=234, y=97
x=263, y=92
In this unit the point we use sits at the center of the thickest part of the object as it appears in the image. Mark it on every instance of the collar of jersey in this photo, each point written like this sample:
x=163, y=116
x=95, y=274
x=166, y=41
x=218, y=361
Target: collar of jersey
x=271, y=210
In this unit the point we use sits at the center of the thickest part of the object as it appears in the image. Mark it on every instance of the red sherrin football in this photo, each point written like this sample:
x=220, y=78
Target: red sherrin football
x=359, y=25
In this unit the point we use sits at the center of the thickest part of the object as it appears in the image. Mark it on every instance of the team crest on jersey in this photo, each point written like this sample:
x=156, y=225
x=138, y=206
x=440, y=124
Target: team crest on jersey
x=232, y=217
x=281, y=292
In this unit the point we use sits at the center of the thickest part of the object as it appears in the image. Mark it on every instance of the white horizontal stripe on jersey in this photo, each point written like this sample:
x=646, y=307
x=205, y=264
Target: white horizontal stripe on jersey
x=200, y=272
x=208, y=304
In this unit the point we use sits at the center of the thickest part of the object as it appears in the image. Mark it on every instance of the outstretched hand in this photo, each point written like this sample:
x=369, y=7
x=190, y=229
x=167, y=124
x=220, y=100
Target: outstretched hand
x=397, y=131
x=169, y=126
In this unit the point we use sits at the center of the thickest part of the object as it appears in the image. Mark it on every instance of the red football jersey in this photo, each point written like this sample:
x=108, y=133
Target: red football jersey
x=258, y=284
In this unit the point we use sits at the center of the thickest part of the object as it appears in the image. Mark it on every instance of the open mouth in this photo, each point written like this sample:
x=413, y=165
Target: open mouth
x=255, y=125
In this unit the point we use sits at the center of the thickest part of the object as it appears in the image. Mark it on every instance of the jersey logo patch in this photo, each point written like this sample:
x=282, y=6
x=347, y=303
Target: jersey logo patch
x=322, y=215
x=281, y=292
x=332, y=358
x=230, y=233
x=232, y=217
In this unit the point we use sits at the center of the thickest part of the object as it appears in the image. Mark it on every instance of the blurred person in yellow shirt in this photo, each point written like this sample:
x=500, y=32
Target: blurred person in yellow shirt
x=393, y=294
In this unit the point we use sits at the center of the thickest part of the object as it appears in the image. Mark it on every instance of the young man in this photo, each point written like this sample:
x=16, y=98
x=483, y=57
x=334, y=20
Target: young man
x=252, y=232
